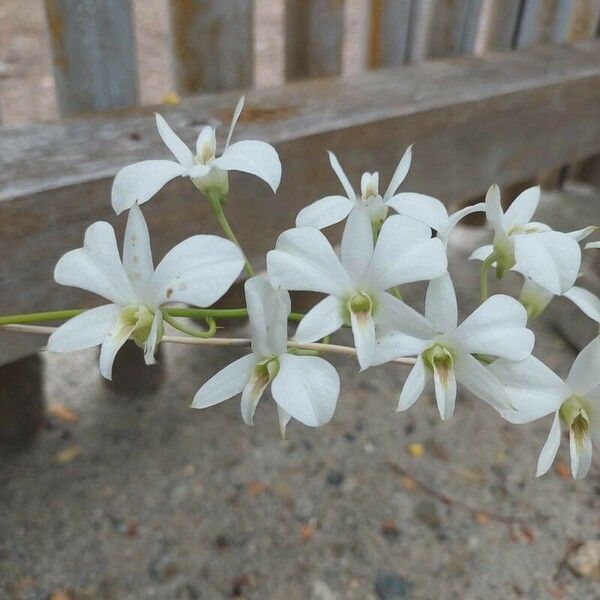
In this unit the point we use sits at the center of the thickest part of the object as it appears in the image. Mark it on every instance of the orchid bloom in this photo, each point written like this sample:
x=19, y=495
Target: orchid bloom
x=305, y=388
x=333, y=209
x=536, y=391
x=197, y=271
x=140, y=181
x=549, y=258
x=447, y=351
x=356, y=286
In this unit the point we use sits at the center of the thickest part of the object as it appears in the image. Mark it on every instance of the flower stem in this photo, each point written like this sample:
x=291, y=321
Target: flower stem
x=483, y=282
x=217, y=208
x=210, y=332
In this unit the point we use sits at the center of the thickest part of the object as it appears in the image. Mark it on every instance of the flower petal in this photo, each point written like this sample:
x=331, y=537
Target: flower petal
x=251, y=395
x=236, y=115
x=392, y=312
x=581, y=454
x=257, y=158
x=85, y=330
x=405, y=252
x=357, y=243
x=140, y=181
x=197, y=271
x=303, y=260
x=307, y=388
x=552, y=259
x=587, y=302
x=112, y=343
x=324, y=212
x=482, y=253
x=137, y=253
x=96, y=267
x=550, y=448
x=227, y=383
x=174, y=143
x=206, y=143
x=337, y=168
x=399, y=174
x=534, y=389
x=363, y=328
x=497, y=328
x=284, y=418
x=493, y=208
x=445, y=391
x=321, y=320
x=458, y=216
x=413, y=386
x=591, y=245
x=581, y=234
x=392, y=344
x=584, y=375
x=523, y=207
x=441, y=309
x=480, y=382
x=268, y=309
x=423, y=208
x=152, y=341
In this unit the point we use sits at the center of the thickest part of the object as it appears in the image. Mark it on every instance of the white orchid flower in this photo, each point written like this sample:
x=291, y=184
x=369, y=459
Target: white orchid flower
x=333, y=209
x=592, y=245
x=536, y=391
x=356, y=286
x=197, y=271
x=549, y=258
x=140, y=181
x=446, y=350
x=305, y=388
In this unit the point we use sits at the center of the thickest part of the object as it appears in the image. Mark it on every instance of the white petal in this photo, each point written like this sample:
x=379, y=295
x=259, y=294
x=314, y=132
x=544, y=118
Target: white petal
x=482, y=253
x=363, y=328
x=534, y=389
x=251, y=395
x=497, y=327
x=445, y=392
x=357, y=243
x=321, y=320
x=152, y=341
x=112, y=343
x=584, y=375
x=493, y=208
x=480, y=382
x=140, y=181
x=392, y=344
x=174, y=143
x=441, y=309
x=96, y=267
x=552, y=259
x=85, y=330
x=284, y=418
x=458, y=216
x=303, y=260
x=426, y=209
x=197, y=271
x=405, y=252
x=268, y=309
x=257, y=158
x=337, y=168
x=206, y=143
x=581, y=455
x=413, y=386
x=137, y=253
x=586, y=301
x=523, y=207
x=236, y=115
x=198, y=171
x=324, y=212
x=591, y=245
x=581, y=234
x=226, y=383
x=392, y=312
x=550, y=448
x=307, y=388
x=399, y=174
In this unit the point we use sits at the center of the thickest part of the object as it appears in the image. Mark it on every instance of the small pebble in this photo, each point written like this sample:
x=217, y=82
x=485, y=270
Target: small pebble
x=335, y=477
x=389, y=586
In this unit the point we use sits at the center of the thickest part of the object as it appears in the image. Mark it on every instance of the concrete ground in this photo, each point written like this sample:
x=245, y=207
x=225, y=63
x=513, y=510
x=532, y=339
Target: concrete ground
x=124, y=497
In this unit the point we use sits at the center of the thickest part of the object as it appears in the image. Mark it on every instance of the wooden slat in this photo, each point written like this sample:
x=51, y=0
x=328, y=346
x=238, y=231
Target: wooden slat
x=541, y=22
x=499, y=26
x=55, y=179
x=93, y=54
x=313, y=38
x=389, y=27
x=212, y=44
x=584, y=20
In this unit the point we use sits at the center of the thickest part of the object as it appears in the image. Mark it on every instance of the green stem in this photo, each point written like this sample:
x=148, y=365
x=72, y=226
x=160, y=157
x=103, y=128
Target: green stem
x=483, y=282
x=54, y=315
x=210, y=332
x=217, y=208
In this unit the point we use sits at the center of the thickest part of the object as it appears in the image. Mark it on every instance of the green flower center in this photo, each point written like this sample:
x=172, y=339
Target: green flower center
x=140, y=318
x=439, y=358
x=360, y=302
x=574, y=411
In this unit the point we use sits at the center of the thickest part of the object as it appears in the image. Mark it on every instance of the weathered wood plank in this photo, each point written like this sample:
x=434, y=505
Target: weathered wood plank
x=541, y=22
x=91, y=74
x=314, y=31
x=502, y=127
x=389, y=30
x=499, y=25
x=584, y=20
x=211, y=44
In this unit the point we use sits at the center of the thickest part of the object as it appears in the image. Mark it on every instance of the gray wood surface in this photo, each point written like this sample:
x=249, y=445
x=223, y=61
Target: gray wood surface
x=500, y=25
x=93, y=54
x=211, y=44
x=389, y=30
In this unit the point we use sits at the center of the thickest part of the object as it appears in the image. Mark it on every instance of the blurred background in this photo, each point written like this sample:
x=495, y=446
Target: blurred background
x=120, y=491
